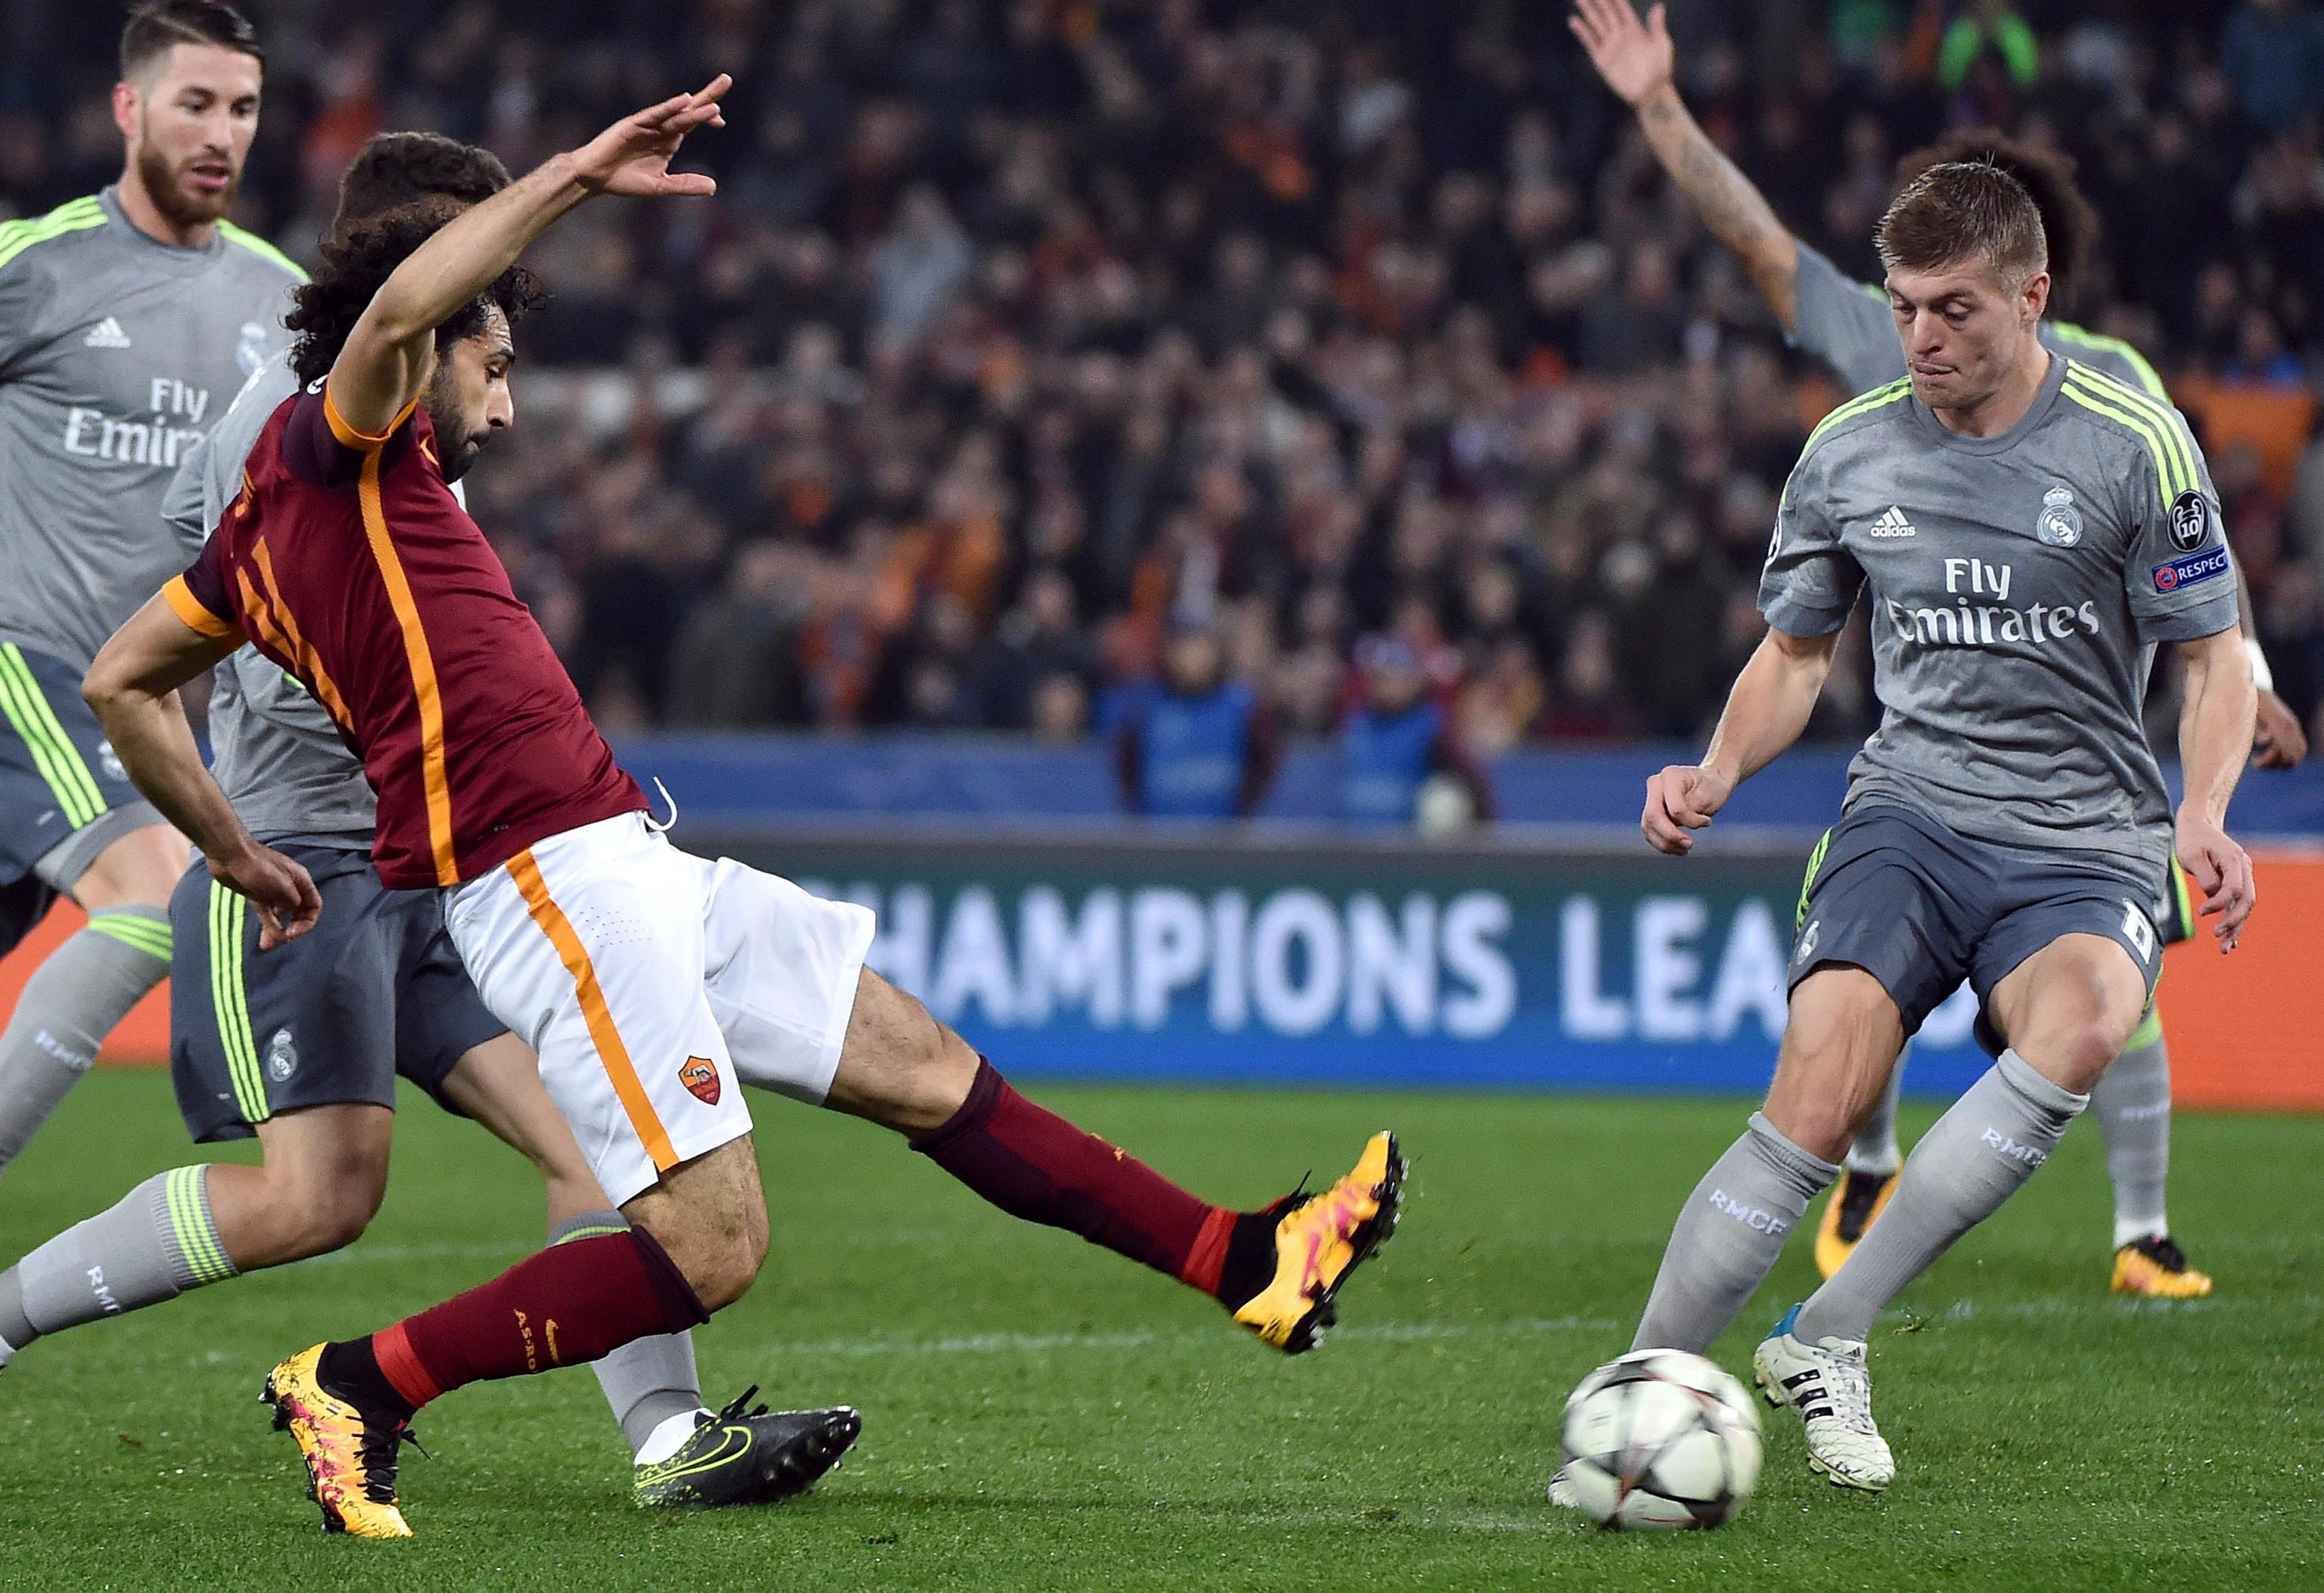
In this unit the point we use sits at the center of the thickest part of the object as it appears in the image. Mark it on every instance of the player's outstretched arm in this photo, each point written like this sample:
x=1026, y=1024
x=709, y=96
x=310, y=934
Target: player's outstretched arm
x=1637, y=60
x=132, y=689
x=1765, y=715
x=384, y=363
x=2214, y=736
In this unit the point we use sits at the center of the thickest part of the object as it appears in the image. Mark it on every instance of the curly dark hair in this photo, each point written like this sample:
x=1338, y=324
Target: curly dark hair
x=397, y=169
x=2069, y=221
x=359, y=259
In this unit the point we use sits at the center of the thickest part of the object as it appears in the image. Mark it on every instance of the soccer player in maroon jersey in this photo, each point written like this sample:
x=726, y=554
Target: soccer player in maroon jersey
x=651, y=983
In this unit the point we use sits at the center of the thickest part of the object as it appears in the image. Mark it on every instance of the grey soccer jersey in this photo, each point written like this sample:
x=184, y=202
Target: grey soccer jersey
x=277, y=754
x=2019, y=584
x=1847, y=325
x=116, y=353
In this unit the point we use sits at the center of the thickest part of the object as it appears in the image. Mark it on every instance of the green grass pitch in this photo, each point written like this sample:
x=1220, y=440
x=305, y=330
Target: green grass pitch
x=1039, y=1414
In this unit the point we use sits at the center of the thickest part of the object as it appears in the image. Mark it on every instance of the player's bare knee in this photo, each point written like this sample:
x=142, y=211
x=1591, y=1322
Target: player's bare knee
x=313, y=1211
x=1818, y=1124
x=2074, y=1052
x=900, y=1067
x=139, y=869
x=718, y=1260
x=710, y=1218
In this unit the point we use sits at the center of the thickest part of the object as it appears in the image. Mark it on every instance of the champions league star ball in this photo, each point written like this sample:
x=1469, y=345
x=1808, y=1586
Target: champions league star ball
x=1661, y=1439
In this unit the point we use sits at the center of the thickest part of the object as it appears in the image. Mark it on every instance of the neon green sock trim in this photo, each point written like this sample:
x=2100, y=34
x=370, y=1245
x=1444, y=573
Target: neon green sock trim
x=133, y=928
x=191, y=1222
x=2149, y=1029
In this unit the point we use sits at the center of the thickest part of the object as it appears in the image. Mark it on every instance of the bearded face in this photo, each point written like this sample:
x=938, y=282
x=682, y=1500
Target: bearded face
x=189, y=121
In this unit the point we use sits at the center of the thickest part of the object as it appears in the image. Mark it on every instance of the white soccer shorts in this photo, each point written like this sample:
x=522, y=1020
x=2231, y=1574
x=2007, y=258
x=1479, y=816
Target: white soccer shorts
x=652, y=982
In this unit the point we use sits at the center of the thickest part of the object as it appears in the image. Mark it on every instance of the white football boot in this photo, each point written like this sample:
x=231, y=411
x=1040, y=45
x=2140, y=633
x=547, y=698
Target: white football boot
x=1562, y=1494
x=1827, y=1384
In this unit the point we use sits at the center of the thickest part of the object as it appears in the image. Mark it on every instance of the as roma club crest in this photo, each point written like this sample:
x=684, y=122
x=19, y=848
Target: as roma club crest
x=700, y=1076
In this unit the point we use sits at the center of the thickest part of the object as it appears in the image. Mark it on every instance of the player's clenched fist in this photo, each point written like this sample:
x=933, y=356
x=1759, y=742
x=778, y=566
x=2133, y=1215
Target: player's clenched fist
x=1680, y=798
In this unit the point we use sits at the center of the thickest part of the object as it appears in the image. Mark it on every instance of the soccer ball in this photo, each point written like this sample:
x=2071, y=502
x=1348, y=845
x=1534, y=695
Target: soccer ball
x=1661, y=1439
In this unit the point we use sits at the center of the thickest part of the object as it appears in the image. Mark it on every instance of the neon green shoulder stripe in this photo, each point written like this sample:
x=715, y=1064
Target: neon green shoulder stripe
x=1862, y=404
x=2171, y=477
x=2161, y=412
x=260, y=247
x=2100, y=402
x=2149, y=381
x=78, y=215
x=2164, y=427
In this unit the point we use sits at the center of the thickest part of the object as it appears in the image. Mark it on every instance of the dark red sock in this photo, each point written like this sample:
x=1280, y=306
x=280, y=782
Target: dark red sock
x=559, y=1307
x=1033, y=1163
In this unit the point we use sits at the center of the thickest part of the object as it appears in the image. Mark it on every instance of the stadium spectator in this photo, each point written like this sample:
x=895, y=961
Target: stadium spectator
x=1397, y=739
x=1197, y=744
x=1334, y=324
x=2272, y=52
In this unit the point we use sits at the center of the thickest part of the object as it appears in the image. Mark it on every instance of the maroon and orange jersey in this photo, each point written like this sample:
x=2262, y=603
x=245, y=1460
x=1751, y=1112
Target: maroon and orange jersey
x=346, y=560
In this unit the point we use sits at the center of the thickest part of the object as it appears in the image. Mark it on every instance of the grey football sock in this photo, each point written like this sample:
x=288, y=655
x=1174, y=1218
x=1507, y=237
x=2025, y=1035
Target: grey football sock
x=1875, y=1150
x=2133, y=1106
x=154, y=1245
x=648, y=1380
x=72, y=1002
x=1974, y=1157
x=1729, y=1234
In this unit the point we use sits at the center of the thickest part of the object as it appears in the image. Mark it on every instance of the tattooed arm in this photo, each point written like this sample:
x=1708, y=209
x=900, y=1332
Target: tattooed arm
x=1637, y=62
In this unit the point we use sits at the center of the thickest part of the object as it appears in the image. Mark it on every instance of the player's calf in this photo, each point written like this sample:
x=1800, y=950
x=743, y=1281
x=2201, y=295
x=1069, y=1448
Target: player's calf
x=157, y=1242
x=1278, y=1269
x=321, y=1180
x=89, y=984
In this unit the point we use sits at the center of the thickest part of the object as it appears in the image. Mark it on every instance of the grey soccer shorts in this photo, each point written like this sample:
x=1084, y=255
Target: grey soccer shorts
x=1921, y=908
x=64, y=796
x=372, y=991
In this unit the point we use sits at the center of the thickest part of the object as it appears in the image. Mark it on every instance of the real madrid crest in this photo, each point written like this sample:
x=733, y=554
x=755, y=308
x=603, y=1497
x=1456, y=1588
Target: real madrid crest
x=281, y=1056
x=2061, y=525
x=250, y=352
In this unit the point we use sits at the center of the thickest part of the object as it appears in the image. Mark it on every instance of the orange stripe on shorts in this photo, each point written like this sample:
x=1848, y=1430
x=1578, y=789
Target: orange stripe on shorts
x=611, y=1052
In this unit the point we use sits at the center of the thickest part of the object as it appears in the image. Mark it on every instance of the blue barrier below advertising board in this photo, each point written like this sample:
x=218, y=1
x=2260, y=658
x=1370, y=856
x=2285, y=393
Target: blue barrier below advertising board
x=739, y=781
x=1288, y=961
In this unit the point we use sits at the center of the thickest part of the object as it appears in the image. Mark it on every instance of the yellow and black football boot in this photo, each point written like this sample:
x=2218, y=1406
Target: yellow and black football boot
x=1855, y=1200
x=1312, y=1243
x=350, y=1453
x=2156, y=1268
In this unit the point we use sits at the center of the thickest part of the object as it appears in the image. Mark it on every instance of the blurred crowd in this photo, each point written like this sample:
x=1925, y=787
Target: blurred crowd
x=1024, y=336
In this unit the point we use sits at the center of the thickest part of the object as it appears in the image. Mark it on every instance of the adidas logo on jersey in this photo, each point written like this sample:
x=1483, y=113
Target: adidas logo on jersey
x=105, y=333
x=1893, y=523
